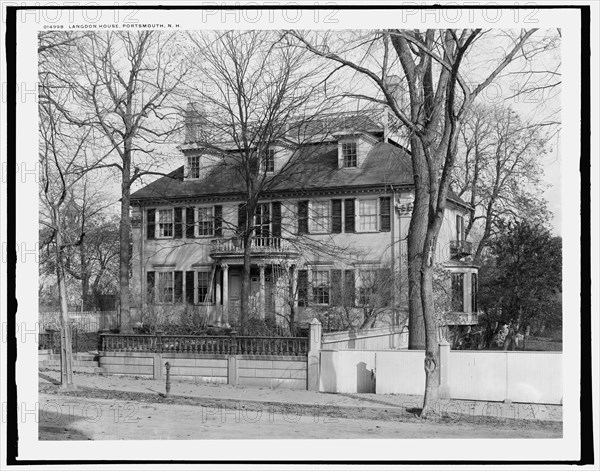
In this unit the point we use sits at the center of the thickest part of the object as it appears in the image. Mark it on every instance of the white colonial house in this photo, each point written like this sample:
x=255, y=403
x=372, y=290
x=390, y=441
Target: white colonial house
x=323, y=233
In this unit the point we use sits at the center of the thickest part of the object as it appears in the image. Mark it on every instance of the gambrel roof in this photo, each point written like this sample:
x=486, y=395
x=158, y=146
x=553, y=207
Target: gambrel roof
x=314, y=171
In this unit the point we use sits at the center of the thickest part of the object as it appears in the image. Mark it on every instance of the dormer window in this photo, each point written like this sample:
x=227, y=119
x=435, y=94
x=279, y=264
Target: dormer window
x=194, y=167
x=270, y=161
x=349, y=155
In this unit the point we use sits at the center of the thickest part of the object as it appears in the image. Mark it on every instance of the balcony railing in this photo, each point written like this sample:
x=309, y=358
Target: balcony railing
x=462, y=318
x=460, y=248
x=258, y=245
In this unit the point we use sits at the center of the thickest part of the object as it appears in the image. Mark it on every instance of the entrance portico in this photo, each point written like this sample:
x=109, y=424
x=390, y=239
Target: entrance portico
x=270, y=258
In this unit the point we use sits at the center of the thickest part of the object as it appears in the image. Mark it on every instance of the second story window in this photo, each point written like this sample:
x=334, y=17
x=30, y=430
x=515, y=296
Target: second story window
x=193, y=166
x=367, y=215
x=349, y=154
x=320, y=216
x=205, y=220
x=458, y=303
x=270, y=161
x=460, y=228
x=165, y=223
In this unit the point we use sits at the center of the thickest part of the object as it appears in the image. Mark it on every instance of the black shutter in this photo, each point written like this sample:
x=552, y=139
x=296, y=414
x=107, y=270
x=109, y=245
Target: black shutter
x=241, y=219
x=219, y=221
x=276, y=222
x=349, y=216
x=384, y=214
x=349, y=288
x=384, y=286
x=178, y=230
x=302, y=217
x=189, y=287
x=336, y=216
x=189, y=223
x=150, y=286
x=150, y=222
x=178, y=287
x=302, y=287
x=336, y=287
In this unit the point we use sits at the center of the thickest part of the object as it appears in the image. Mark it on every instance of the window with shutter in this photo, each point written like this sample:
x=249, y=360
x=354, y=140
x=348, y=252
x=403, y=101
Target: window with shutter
x=349, y=215
x=205, y=220
x=205, y=293
x=321, y=286
x=302, y=217
x=164, y=291
x=384, y=214
x=150, y=223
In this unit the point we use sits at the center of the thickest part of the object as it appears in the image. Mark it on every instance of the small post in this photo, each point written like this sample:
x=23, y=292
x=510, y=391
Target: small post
x=314, y=354
x=168, y=383
x=444, y=388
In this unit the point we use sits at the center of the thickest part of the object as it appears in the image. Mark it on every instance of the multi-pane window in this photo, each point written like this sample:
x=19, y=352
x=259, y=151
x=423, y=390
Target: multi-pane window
x=205, y=219
x=321, y=286
x=367, y=286
x=367, y=214
x=458, y=303
x=349, y=154
x=320, y=216
x=270, y=160
x=204, y=287
x=164, y=289
x=262, y=223
x=194, y=166
x=165, y=223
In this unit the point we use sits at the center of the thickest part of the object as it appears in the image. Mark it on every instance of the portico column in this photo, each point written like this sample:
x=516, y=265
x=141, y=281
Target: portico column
x=225, y=313
x=263, y=303
x=218, y=307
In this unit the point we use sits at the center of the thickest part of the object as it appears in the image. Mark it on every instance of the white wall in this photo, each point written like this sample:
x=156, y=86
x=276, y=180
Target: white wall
x=534, y=377
x=497, y=375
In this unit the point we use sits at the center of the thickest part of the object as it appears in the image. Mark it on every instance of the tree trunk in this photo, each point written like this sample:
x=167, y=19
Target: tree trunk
x=66, y=352
x=245, y=298
x=124, y=242
x=432, y=349
x=415, y=245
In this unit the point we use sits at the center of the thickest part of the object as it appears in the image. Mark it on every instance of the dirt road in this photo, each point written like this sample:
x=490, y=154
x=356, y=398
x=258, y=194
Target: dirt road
x=81, y=418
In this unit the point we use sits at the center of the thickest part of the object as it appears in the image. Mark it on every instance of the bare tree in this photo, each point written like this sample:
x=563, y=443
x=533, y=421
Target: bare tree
x=122, y=86
x=255, y=93
x=430, y=66
x=501, y=172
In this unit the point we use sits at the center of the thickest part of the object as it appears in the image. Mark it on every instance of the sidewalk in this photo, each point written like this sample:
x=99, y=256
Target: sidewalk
x=306, y=398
